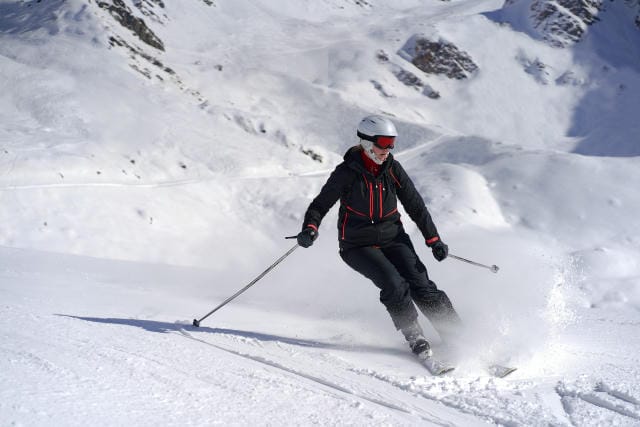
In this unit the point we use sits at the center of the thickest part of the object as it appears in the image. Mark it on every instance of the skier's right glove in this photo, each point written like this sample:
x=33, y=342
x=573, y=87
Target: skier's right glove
x=306, y=237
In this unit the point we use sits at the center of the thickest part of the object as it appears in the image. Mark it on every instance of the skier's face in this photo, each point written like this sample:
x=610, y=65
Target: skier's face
x=381, y=153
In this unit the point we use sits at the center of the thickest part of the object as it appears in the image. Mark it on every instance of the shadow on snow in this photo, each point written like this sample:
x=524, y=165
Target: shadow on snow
x=167, y=327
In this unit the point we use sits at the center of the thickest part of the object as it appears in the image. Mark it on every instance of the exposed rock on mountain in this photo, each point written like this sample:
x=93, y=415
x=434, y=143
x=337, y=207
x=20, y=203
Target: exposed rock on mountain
x=119, y=10
x=635, y=4
x=536, y=68
x=570, y=78
x=565, y=21
x=438, y=57
x=117, y=41
x=129, y=27
x=378, y=86
x=411, y=80
x=148, y=8
x=406, y=77
x=559, y=22
x=382, y=56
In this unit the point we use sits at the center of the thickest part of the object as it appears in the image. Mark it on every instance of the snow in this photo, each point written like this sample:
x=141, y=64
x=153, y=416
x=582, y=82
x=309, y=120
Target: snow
x=132, y=205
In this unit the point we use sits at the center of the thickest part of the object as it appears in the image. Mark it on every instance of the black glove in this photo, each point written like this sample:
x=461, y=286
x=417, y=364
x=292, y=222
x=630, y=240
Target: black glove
x=306, y=237
x=440, y=250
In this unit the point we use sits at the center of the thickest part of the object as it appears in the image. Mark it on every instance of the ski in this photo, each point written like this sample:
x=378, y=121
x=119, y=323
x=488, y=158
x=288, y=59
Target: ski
x=434, y=366
x=500, y=371
x=438, y=367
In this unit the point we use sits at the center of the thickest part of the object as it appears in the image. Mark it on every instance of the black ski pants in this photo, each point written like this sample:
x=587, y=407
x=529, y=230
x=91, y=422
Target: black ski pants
x=402, y=279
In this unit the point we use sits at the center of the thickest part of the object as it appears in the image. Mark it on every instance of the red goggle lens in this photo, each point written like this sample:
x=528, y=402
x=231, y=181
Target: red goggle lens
x=385, y=142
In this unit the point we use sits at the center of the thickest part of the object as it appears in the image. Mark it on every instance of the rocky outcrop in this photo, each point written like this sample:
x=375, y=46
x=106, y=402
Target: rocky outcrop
x=535, y=68
x=119, y=10
x=117, y=41
x=570, y=78
x=636, y=5
x=438, y=57
x=407, y=77
x=404, y=76
x=560, y=22
x=433, y=57
x=145, y=58
x=151, y=9
x=411, y=80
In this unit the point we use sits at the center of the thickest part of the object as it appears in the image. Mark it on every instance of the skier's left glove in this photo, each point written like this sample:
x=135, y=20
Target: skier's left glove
x=440, y=250
x=306, y=237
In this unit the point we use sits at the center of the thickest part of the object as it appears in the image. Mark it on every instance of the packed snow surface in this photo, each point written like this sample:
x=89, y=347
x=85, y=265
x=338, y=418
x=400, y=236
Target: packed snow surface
x=140, y=188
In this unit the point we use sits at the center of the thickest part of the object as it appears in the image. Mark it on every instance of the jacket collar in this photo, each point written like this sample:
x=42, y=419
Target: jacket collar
x=353, y=159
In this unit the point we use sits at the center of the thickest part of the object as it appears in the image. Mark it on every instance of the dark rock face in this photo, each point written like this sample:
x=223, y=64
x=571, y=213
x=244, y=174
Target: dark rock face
x=119, y=10
x=382, y=56
x=635, y=4
x=378, y=86
x=569, y=78
x=411, y=80
x=149, y=8
x=562, y=22
x=408, y=78
x=440, y=57
x=563, y=27
x=404, y=76
x=116, y=41
x=535, y=68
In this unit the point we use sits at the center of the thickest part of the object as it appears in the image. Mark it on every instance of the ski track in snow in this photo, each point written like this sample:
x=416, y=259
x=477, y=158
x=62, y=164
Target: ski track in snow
x=377, y=400
x=179, y=373
x=467, y=394
x=402, y=155
x=372, y=386
x=598, y=402
x=447, y=391
x=175, y=183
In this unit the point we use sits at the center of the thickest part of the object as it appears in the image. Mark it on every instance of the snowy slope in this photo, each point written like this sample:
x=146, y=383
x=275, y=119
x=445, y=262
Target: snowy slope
x=149, y=171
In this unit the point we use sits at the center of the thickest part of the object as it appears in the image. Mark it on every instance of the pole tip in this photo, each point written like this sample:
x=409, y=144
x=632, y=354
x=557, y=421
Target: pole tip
x=196, y=323
x=494, y=268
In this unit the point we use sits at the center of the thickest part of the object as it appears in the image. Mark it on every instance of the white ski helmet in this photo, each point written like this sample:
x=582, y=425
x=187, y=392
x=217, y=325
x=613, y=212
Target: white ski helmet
x=376, y=130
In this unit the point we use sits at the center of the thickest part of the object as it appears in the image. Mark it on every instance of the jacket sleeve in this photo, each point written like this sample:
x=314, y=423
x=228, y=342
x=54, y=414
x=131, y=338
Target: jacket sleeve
x=329, y=195
x=414, y=204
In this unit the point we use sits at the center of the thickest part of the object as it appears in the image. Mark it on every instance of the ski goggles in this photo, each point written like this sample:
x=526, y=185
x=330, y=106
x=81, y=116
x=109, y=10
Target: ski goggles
x=381, y=141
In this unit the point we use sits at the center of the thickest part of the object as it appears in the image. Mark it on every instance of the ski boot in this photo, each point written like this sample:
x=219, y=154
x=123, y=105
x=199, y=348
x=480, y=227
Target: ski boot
x=417, y=342
x=421, y=348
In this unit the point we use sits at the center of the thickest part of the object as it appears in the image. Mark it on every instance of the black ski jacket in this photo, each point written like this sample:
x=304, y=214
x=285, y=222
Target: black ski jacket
x=368, y=213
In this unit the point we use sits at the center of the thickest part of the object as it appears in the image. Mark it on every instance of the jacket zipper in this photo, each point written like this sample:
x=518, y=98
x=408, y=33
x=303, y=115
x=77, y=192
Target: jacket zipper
x=380, y=187
x=370, y=186
x=371, y=202
x=344, y=224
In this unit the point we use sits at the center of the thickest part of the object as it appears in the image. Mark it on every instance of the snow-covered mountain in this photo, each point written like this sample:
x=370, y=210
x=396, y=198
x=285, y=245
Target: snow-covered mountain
x=154, y=154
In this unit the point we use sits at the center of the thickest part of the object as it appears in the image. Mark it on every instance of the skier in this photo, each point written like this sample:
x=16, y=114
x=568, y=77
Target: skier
x=373, y=242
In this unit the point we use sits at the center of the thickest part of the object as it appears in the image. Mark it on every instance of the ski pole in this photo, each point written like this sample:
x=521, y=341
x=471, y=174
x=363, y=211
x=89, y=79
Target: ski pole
x=196, y=322
x=493, y=268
